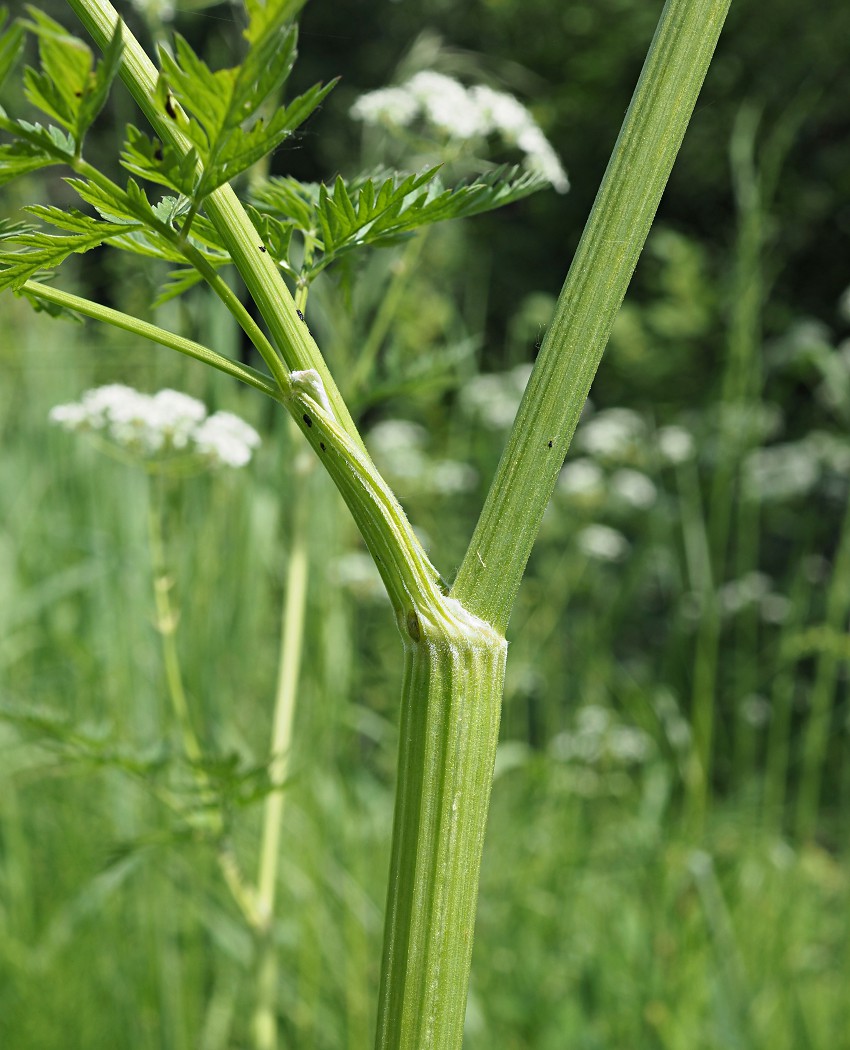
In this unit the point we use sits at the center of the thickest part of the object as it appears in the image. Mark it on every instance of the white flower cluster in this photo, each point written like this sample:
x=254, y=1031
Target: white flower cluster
x=794, y=469
x=461, y=113
x=599, y=738
x=155, y=11
x=399, y=448
x=161, y=426
x=493, y=397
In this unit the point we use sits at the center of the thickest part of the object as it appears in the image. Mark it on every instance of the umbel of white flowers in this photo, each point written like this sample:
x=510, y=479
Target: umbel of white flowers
x=460, y=113
x=160, y=427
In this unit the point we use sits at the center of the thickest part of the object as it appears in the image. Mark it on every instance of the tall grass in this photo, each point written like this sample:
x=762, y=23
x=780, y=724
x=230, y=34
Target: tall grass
x=605, y=919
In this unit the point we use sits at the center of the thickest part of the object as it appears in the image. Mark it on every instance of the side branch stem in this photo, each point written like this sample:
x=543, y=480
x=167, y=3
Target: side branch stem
x=619, y=222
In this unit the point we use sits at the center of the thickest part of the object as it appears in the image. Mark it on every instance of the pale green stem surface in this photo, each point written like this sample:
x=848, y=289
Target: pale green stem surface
x=451, y=700
x=619, y=222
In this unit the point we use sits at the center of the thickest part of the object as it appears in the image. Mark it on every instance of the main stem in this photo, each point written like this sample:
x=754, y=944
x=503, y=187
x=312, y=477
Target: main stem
x=451, y=700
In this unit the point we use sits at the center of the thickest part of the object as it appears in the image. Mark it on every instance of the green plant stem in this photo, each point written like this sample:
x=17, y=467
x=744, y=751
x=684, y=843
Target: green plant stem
x=619, y=222
x=166, y=626
x=779, y=737
x=822, y=698
x=259, y=272
x=451, y=699
x=292, y=633
x=127, y=323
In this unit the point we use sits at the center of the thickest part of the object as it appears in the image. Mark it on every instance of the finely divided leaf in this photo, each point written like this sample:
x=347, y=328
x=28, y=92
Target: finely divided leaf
x=381, y=215
x=46, y=252
x=223, y=124
x=67, y=87
x=10, y=45
x=265, y=16
x=131, y=206
x=20, y=158
x=159, y=163
x=381, y=210
x=179, y=281
x=66, y=63
x=237, y=150
x=97, y=90
x=276, y=237
x=72, y=220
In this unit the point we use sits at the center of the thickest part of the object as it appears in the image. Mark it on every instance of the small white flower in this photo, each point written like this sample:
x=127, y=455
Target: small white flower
x=633, y=488
x=593, y=719
x=461, y=113
x=393, y=107
x=755, y=710
x=494, y=397
x=780, y=472
x=582, y=478
x=748, y=590
x=357, y=572
x=447, y=105
x=226, y=439
x=603, y=543
x=155, y=10
x=629, y=744
x=72, y=416
x=449, y=476
x=398, y=446
x=613, y=433
x=675, y=444
x=164, y=426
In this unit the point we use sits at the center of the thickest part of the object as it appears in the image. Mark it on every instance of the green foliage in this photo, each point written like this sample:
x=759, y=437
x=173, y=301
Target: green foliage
x=378, y=210
x=37, y=147
x=67, y=88
x=222, y=103
x=11, y=42
x=45, y=252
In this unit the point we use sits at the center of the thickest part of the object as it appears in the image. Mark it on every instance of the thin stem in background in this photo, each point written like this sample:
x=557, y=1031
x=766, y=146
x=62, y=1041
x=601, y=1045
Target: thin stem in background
x=778, y=751
x=242, y=892
x=128, y=323
x=166, y=626
x=292, y=634
x=822, y=696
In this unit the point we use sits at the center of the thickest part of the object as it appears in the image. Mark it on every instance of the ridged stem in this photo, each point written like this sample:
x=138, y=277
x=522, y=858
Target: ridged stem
x=451, y=698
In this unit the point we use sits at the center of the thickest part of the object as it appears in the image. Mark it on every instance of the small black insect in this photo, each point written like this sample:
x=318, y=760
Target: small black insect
x=170, y=108
x=262, y=247
x=322, y=446
x=300, y=315
x=550, y=444
x=157, y=151
x=307, y=420
x=78, y=94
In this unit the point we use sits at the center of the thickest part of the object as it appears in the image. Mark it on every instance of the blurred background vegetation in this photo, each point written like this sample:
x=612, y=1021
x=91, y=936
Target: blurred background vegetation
x=666, y=862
